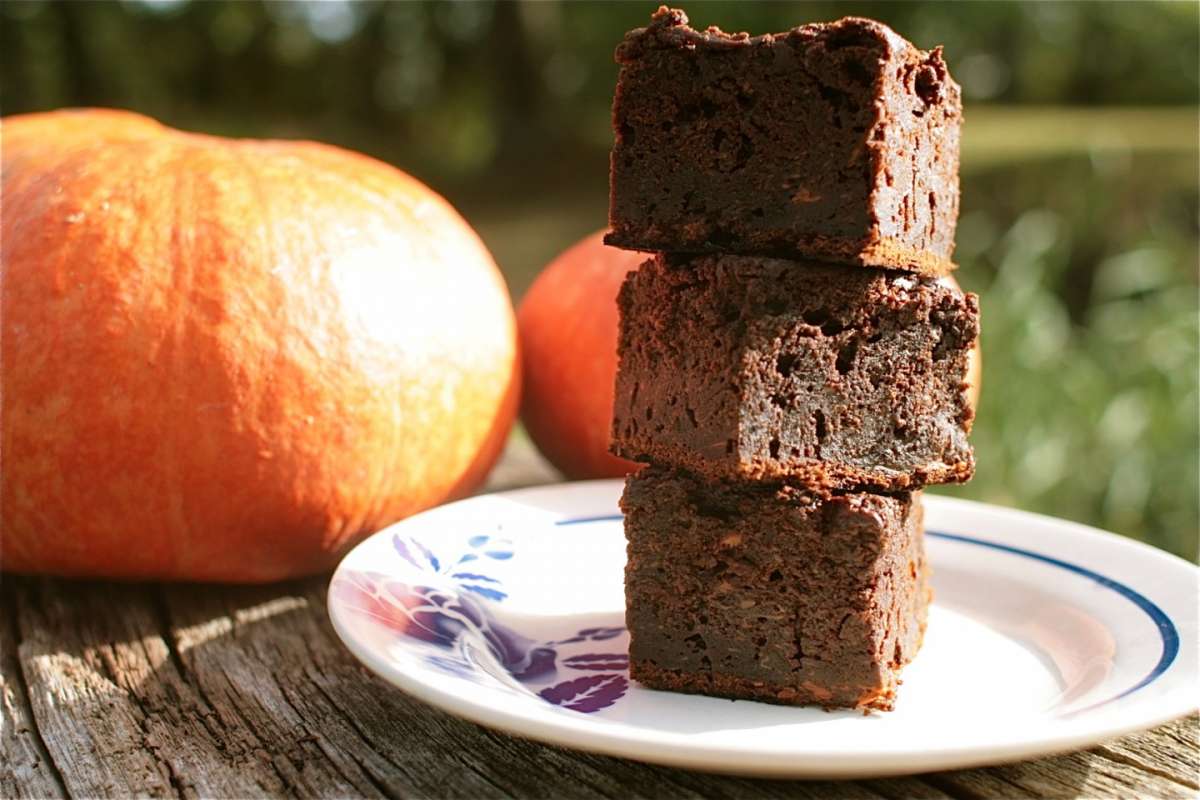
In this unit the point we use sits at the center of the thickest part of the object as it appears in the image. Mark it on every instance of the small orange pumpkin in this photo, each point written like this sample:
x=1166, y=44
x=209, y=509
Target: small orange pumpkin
x=568, y=323
x=232, y=359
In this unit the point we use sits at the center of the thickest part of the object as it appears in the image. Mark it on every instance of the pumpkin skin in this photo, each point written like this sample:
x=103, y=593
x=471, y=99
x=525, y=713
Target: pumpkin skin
x=232, y=359
x=568, y=322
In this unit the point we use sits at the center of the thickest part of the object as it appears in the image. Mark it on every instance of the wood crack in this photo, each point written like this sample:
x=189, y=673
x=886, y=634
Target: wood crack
x=238, y=763
x=946, y=782
x=1142, y=766
x=383, y=789
x=149, y=743
x=168, y=637
x=367, y=740
x=380, y=786
x=12, y=670
x=84, y=657
x=209, y=717
x=316, y=737
x=916, y=787
x=260, y=749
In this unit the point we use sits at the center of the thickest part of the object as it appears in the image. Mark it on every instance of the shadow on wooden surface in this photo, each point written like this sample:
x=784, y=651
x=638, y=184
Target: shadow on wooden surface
x=219, y=691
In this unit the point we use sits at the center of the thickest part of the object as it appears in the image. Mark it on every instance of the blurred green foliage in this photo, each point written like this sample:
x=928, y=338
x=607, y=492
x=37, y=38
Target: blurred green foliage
x=1079, y=212
x=1087, y=277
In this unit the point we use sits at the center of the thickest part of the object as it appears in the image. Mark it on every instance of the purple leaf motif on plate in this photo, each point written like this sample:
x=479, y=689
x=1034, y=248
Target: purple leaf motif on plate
x=471, y=576
x=587, y=694
x=484, y=591
x=402, y=549
x=594, y=635
x=524, y=659
x=598, y=662
x=421, y=557
x=443, y=608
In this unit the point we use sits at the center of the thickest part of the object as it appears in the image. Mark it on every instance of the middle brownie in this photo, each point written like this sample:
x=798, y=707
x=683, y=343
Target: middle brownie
x=742, y=366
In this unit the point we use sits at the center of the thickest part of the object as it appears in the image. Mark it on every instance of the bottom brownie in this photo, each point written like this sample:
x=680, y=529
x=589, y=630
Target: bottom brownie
x=768, y=591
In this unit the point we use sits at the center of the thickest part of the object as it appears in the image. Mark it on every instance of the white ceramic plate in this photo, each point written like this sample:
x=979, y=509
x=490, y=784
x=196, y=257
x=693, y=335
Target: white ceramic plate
x=508, y=610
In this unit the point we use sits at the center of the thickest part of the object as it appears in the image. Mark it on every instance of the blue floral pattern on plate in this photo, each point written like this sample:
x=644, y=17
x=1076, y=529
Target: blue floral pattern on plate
x=452, y=611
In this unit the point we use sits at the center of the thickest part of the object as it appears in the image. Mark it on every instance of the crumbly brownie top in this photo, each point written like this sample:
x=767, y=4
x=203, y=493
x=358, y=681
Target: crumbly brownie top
x=836, y=141
x=669, y=29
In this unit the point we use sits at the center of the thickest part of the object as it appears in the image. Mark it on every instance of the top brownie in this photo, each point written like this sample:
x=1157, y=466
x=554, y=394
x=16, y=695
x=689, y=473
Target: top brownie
x=833, y=141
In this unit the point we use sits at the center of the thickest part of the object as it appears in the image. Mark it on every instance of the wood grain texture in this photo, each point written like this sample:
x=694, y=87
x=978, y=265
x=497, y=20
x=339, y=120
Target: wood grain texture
x=1170, y=752
x=114, y=690
x=26, y=769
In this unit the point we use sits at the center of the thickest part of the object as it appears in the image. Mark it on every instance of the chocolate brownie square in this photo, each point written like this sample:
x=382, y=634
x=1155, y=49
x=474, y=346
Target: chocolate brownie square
x=770, y=591
x=745, y=366
x=833, y=141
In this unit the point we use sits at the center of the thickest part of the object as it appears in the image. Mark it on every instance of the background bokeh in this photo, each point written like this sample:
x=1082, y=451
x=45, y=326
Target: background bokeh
x=1080, y=166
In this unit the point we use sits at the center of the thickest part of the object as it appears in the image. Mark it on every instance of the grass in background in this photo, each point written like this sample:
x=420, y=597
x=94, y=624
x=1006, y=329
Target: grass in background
x=1086, y=268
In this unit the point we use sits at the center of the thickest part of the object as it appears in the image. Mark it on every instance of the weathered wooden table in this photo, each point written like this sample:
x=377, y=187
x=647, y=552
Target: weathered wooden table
x=116, y=690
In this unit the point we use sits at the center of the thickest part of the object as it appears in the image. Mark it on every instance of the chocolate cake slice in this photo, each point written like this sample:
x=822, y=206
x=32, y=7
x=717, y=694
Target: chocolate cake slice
x=770, y=591
x=748, y=367
x=834, y=141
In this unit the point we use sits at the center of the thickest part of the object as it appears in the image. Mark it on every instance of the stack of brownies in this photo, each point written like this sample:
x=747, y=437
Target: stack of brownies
x=792, y=366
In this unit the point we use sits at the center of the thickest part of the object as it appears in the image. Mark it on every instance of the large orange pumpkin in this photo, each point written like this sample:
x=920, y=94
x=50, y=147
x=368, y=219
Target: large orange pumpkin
x=231, y=359
x=568, y=323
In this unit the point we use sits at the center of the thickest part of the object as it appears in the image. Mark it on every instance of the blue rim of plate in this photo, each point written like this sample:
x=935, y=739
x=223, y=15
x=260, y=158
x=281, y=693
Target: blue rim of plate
x=1162, y=623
